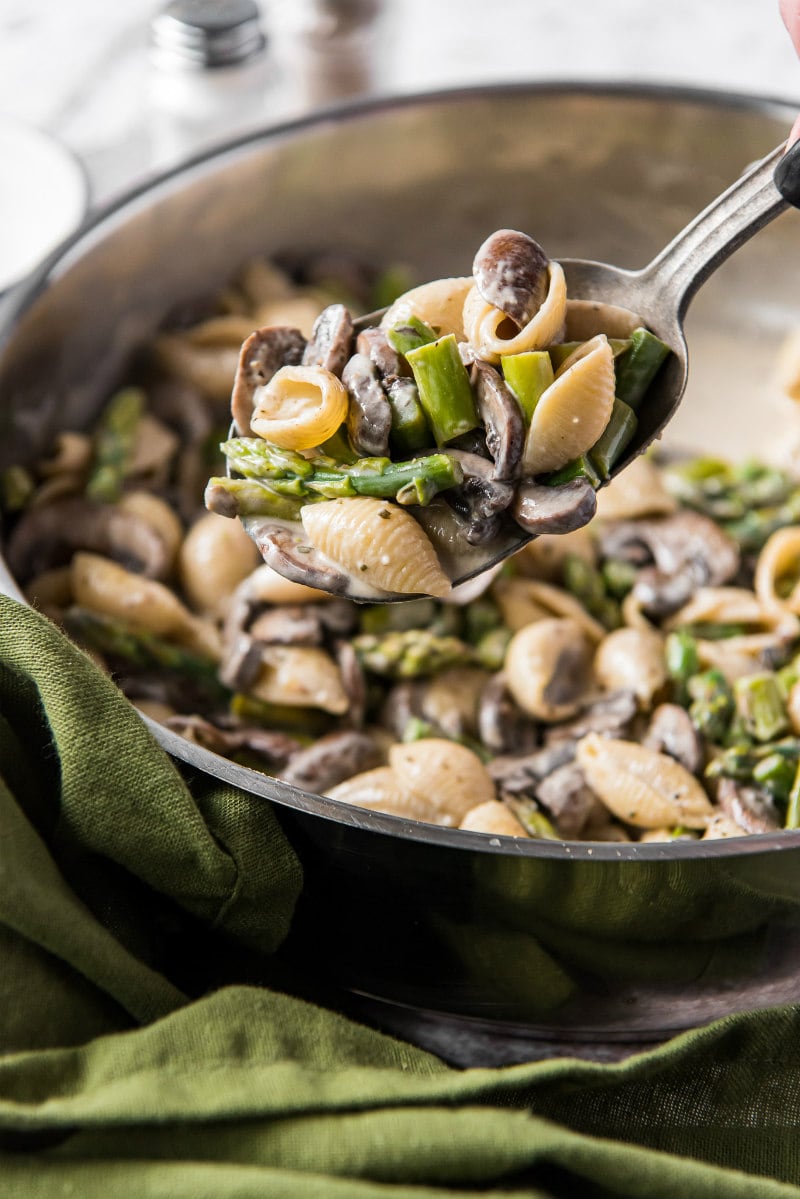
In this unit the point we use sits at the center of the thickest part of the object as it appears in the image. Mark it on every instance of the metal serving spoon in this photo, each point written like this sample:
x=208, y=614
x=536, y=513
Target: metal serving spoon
x=660, y=292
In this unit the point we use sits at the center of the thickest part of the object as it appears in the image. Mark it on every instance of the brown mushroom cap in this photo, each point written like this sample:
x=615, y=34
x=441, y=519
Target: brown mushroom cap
x=263, y=353
x=510, y=271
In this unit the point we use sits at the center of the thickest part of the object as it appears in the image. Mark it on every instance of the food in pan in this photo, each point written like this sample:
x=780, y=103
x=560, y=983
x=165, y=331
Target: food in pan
x=477, y=405
x=634, y=680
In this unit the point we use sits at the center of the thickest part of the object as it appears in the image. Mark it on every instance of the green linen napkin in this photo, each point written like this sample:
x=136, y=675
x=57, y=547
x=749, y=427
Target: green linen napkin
x=142, y=1054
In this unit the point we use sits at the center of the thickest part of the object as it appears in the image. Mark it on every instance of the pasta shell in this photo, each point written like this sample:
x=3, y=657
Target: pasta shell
x=215, y=557
x=494, y=818
x=587, y=318
x=727, y=605
x=378, y=543
x=447, y=777
x=548, y=668
x=633, y=660
x=642, y=787
x=302, y=676
x=779, y=558
x=637, y=491
x=376, y=789
x=492, y=334
x=106, y=587
x=299, y=408
x=524, y=601
x=439, y=304
x=574, y=409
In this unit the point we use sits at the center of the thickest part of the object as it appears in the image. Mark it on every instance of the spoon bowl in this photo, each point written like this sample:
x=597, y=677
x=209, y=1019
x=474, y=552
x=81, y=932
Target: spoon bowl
x=659, y=293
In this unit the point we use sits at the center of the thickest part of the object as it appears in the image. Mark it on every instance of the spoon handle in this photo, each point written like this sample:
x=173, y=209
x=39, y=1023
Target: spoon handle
x=755, y=199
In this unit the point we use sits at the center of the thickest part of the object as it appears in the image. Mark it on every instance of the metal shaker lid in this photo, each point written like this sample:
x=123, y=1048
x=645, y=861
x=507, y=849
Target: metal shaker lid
x=206, y=33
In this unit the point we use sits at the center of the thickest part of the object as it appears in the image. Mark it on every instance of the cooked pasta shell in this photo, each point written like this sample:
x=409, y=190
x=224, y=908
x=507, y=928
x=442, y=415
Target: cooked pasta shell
x=106, y=587
x=298, y=312
x=378, y=790
x=779, y=559
x=587, y=318
x=548, y=668
x=725, y=605
x=447, y=777
x=574, y=409
x=439, y=304
x=302, y=676
x=640, y=786
x=633, y=660
x=299, y=408
x=215, y=557
x=379, y=543
x=206, y=355
x=493, y=818
x=524, y=601
x=491, y=333
x=636, y=491
x=543, y=558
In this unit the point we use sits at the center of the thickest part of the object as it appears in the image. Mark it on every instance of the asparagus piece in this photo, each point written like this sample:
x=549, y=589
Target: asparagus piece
x=760, y=705
x=409, y=334
x=303, y=722
x=410, y=428
x=411, y=653
x=416, y=480
x=618, y=577
x=389, y=285
x=586, y=584
x=680, y=649
x=578, y=468
x=444, y=388
x=490, y=651
x=561, y=351
x=793, y=803
x=417, y=729
x=615, y=438
x=384, y=618
x=339, y=448
x=115, y=439
x=638, y=366
x=144, y=650
x=528, y=375
x=712, y=705
x=249, y=497
x=16, y=488
x=775, y=774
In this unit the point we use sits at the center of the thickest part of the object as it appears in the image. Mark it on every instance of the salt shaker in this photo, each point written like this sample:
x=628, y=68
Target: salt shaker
x=210, y=77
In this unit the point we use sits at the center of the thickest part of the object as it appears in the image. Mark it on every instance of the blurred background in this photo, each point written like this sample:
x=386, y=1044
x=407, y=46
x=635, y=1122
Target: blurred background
x=87, y=72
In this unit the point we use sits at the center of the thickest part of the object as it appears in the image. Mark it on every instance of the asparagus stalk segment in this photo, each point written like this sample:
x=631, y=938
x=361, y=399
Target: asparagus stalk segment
x=528, y=375
x=760, y=705
x=409, y=334
x=410, y=428
x=615, y=438
x=144, y=651
x=271, y=483
x=638, y=366
x=444, y=388
x=114, y=443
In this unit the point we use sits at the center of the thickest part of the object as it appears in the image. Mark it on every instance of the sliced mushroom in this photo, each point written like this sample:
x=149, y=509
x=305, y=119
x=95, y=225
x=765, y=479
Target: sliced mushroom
x=671, y=732
x=610, y=715
x=331, y=760
x=510, y=272
x=520, y=775
x=502, y=725
x=481, y=498
x=502, y=417
x=369, y=414
x=241, y=662
x=276, y=748
x=281, y=550
x=538, y=508
x=688, y=550
x=331, y=340
x=750, y=808
x=375, y=345
x=263, y=353
x=48, y=536
x=298, y=625
x=353, y=681
x=568, y=798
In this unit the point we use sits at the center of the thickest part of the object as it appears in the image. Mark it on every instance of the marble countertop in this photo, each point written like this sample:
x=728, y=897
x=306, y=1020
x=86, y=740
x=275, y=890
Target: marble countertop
x=82, y=73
